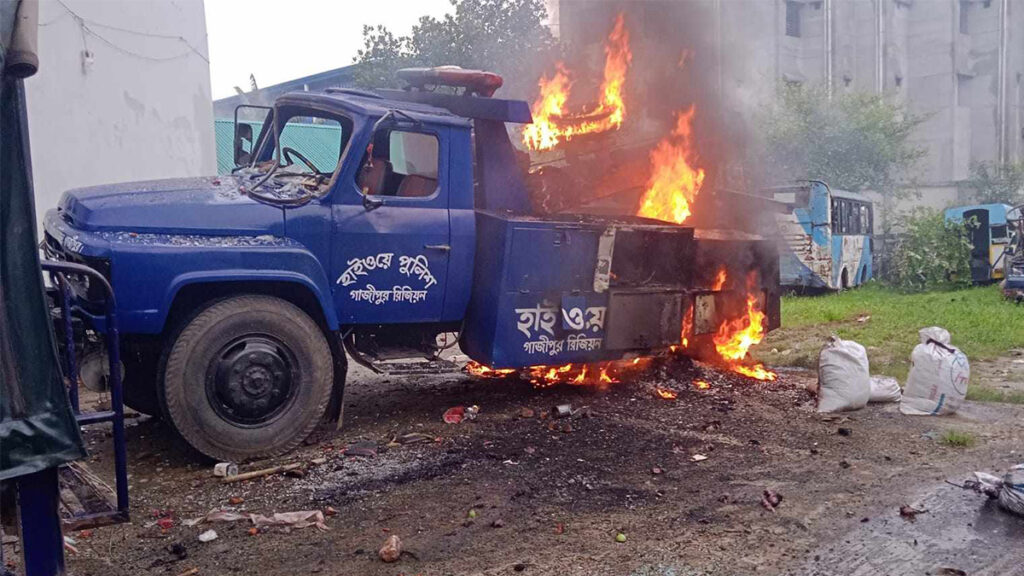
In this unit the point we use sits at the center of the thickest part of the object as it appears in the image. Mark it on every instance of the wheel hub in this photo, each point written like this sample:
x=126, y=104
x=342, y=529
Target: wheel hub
x=252, y=380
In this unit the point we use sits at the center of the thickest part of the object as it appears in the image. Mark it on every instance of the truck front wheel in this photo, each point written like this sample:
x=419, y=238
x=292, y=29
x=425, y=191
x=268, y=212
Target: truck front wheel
x=248, y=377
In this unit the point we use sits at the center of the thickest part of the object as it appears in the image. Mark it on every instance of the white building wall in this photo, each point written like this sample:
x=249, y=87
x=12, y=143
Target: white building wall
x=122, y=93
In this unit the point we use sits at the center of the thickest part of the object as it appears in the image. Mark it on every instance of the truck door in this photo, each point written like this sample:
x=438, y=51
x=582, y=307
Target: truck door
x=391, y=236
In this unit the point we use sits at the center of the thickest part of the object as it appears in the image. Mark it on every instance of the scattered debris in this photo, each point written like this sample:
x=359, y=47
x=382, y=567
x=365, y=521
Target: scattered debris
x=225, y=469
x=261, y=473
x=190, y=572
x=1009, y=489
x=770, y=499
x=414, y=438
x=362, y=449
x=910, y=513
x=457, y=414
x=562, y=411
x=297, y=520
x=620, y=537
x=947, y=571
x=208, y=536
x=698, y=458
x=69, y=545
x=391, y=551
x=656, y=471
x=236, y=500
x=845, y=431
x=165, y=523
x=471, y=514
x=526, y=412
x=498, y=523
x=844, y=464
x=330, y=511
x=295, y=473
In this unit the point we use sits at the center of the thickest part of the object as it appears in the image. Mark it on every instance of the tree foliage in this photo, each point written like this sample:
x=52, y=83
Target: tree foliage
x=994, y=183
x=853, y=141
x=931, y=253
x=504, y=36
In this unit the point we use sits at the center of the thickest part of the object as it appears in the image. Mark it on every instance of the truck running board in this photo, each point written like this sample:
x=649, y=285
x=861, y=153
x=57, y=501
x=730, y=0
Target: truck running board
x=400, y=368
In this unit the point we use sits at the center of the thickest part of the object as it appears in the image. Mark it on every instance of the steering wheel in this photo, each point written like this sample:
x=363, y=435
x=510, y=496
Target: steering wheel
x=289, y=152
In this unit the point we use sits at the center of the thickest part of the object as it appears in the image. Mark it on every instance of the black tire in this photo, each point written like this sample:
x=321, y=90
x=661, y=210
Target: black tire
x=248, y=377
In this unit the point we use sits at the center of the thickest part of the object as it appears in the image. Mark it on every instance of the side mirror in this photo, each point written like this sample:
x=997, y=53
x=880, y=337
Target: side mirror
x=243, y=145
x=244, y=142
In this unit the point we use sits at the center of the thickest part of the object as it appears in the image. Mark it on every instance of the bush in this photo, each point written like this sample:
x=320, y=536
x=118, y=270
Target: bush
x=931, y=253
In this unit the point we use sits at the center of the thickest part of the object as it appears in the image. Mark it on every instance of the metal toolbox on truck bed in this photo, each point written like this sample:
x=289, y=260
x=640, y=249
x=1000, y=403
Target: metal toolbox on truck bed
x=575, y=288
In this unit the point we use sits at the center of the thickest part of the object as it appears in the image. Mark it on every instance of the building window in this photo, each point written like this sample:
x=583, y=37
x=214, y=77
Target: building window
x=792, y=19
x=963, y=16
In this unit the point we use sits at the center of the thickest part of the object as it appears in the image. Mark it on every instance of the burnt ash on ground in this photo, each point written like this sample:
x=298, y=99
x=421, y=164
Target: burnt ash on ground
x=682, y=478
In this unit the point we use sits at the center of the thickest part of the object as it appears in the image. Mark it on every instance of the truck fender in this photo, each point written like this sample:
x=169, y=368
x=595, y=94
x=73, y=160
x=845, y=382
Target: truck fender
x=318, y=287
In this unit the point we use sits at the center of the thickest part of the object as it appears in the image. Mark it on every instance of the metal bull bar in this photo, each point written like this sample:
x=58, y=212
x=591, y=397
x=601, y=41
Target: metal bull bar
x=58, y=272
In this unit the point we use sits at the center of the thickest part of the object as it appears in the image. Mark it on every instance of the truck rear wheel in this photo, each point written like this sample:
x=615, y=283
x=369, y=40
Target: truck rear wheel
x=248, y=377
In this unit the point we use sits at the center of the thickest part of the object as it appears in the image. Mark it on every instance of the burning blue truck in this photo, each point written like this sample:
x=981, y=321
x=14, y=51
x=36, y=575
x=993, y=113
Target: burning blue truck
x=241, y=297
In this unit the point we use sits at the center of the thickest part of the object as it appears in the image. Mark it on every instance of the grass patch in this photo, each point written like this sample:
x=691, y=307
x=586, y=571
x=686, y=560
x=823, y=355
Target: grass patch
x=981, y=322
x=985, y=394
x=957, y=438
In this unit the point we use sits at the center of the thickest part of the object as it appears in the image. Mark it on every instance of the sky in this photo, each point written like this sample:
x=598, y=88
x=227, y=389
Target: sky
x=280, y=40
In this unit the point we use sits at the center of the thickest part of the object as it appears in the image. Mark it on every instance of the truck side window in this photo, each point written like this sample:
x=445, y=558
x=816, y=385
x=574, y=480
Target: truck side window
x=400, y=163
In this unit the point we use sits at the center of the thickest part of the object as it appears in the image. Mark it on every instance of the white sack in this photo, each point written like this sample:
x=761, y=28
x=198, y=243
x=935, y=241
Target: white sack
x=885, y=389
x=1011, y=496
x=939, y=372
x=844, y=382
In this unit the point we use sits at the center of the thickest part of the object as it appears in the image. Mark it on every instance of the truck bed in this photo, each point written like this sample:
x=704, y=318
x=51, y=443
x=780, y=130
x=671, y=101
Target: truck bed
x=570, y=288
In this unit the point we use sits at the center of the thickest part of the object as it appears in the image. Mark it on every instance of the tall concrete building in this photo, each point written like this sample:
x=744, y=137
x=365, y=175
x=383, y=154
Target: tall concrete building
x=959, y=63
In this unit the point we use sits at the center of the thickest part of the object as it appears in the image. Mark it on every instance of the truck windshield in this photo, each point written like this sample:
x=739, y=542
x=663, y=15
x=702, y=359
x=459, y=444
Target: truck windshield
x=302, y=165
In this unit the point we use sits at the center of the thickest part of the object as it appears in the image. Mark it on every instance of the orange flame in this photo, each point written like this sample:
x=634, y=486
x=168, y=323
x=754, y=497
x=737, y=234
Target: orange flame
x=719, y=280
x=735, y=337
x=476, y=369
x=598, y=374
x=666, y=393
x=687, y=329
x=701, y=384
x=551, y=123
x=674, y=182
x=757, y=372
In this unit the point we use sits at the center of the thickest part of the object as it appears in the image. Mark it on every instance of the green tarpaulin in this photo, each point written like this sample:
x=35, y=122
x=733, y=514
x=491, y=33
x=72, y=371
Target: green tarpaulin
x=37, y=428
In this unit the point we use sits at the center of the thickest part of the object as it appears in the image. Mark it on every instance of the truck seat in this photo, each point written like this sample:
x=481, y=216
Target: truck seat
x=415, y=186
x=373, y=175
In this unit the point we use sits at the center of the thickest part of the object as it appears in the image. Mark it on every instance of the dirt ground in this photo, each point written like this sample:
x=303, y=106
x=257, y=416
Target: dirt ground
x=549, y=496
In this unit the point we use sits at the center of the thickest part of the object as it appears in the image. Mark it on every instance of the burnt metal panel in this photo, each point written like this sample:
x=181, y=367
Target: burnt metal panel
x=653, y=257
x=643, y=319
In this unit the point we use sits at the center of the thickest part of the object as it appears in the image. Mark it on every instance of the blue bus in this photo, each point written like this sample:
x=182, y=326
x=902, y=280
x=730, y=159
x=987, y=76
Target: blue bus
x=989, y=236
x=826, y=235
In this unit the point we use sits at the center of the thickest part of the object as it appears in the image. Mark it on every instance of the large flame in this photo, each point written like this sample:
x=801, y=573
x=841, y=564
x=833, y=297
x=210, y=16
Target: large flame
x=735, y=337
x=674, y=181
x=553, y=124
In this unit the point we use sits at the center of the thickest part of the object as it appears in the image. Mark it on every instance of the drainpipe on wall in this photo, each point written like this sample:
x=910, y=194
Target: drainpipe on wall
x=828, y=47
x=1003, y=20
x=880, y=46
